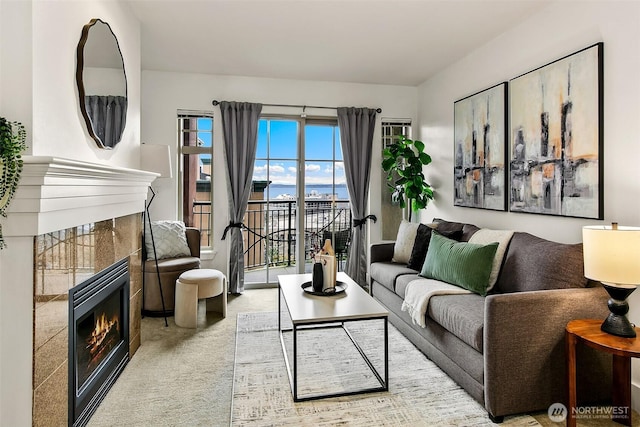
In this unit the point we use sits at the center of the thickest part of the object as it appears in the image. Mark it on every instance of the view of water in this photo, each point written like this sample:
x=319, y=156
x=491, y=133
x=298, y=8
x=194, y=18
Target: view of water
x=282, y=190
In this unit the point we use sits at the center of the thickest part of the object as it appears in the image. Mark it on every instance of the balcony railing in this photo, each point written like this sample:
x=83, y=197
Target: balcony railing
x=202, y=220
x=271, y=238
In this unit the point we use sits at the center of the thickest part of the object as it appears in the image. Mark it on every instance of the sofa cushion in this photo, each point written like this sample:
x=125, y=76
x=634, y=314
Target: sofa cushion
x=423, y=237
x=452, y=230
x=467, y=231
x=169, y=265
x=462, y=315
x=502, y=237
x=404, y=241
x=533, y=263
x=402, y=282
x=169, y=237
x=420, y=246
x=460, y=263
x=386, y=273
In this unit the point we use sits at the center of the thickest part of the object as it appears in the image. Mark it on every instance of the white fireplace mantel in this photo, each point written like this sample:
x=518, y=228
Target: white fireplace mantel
x=57, y=193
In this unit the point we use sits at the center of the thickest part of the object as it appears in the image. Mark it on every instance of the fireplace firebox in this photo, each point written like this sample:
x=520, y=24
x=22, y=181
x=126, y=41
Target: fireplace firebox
x=98, y=338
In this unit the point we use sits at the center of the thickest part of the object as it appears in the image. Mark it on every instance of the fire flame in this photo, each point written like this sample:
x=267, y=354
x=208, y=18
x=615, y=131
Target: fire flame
x=100, y=332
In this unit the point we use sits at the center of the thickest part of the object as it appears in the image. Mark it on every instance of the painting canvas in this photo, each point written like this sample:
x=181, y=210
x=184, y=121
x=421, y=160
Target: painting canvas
x=479, y=153
x=556, y=137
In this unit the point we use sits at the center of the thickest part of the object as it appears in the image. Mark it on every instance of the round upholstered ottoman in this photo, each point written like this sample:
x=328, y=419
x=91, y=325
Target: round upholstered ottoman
x=195, y=285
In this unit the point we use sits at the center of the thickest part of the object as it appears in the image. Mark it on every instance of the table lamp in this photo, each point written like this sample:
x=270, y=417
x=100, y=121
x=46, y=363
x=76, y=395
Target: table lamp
x=612, y=256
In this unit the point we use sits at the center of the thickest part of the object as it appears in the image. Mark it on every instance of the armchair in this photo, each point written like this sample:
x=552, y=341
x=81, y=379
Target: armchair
x=170, y=269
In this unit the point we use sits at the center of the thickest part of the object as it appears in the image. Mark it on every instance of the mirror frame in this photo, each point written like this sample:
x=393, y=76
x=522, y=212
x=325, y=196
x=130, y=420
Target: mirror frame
x=80, y=83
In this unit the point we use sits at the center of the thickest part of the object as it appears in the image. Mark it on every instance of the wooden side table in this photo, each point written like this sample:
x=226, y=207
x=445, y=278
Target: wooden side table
x=623, y=349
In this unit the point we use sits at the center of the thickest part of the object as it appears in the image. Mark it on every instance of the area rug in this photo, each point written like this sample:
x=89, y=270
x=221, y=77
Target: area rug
x=420, y=394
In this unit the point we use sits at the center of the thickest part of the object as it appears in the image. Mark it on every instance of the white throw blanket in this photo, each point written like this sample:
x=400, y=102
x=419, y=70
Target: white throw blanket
x=420, y=291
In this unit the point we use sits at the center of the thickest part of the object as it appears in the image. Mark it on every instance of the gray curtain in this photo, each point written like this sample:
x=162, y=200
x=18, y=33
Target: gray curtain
x=240, y=131
x=356, y=133
x=108, y=116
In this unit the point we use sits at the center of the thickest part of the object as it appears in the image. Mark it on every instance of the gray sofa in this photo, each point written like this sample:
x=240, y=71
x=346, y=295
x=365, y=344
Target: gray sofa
x=506, y=349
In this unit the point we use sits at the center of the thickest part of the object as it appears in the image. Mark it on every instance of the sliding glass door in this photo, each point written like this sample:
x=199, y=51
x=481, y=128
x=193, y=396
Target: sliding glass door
x=272, y=209
x=327, y=215
x=299, y=197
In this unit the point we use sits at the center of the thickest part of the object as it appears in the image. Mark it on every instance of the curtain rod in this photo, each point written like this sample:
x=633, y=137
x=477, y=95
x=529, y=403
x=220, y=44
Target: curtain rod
x=216, y=102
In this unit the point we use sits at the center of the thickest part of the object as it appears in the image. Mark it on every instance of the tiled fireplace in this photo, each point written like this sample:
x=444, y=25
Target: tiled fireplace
x=65, y=259
x=69, y=221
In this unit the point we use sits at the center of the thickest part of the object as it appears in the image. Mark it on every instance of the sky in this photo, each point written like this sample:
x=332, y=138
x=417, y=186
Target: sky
x=278, y=141
x=277, y=151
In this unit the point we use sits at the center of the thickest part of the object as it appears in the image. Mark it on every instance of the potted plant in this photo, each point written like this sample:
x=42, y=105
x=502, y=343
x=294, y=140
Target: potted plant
x=12, y=143
x=403, y=161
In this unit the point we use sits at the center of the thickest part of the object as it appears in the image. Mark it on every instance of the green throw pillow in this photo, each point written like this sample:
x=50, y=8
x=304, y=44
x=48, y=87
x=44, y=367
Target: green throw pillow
x=464, y=264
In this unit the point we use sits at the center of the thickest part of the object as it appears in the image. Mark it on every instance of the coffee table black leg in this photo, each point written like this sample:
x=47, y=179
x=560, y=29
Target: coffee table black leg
x=386, y=353
x=295, y=363
x=292, y=365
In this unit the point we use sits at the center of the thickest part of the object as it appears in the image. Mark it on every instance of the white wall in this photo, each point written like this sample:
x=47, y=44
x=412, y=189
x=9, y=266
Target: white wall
x=58, y=127
x=38, y=42
x=558, y=30
x=15, y=63
x=164, y=93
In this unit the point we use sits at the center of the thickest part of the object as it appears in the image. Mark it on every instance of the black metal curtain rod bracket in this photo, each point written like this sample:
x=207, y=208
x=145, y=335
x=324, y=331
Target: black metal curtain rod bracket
x=216, y=102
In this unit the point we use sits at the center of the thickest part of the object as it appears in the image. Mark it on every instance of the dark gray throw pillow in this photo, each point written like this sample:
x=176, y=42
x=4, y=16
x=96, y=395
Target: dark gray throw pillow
x=420, y=246
x=452, y=230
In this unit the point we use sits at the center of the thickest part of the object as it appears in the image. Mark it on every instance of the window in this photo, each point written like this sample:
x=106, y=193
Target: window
x=391, y=215
x=195, y=138
x=324, y=166
x=394, y=128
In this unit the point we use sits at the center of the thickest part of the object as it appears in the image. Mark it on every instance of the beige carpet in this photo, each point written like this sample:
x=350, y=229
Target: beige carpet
x=420, y=394
x=183, y=377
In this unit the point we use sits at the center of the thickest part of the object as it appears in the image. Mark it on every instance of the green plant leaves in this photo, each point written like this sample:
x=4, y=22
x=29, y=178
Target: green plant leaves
x=12, y=143
x=425, y=159
x=388, y=161
x=404, y=161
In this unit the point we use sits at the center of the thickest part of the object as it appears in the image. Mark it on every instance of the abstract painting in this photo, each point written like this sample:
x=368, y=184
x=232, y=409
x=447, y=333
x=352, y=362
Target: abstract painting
x=555, y=147
x=479, y=153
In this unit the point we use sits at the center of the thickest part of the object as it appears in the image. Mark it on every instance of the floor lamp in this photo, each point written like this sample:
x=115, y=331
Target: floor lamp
x=155, y=158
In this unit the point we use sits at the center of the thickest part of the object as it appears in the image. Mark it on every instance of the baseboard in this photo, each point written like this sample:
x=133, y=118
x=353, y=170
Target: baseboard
x=260, y=285
x=635, y=396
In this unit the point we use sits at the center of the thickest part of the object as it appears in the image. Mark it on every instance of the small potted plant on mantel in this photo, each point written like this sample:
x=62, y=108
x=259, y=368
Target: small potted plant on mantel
x=12, y=144
x=403, y=161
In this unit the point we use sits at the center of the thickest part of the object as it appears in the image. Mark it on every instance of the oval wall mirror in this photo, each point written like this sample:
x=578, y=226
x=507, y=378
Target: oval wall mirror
x=102, y=83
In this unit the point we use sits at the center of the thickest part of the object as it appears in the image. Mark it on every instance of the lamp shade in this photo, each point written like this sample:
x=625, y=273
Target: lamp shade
x=156, y=158
x=612, y=254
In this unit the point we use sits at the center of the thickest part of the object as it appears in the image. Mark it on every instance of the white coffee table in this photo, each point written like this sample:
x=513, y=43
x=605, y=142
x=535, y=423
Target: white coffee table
x=309, y=312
